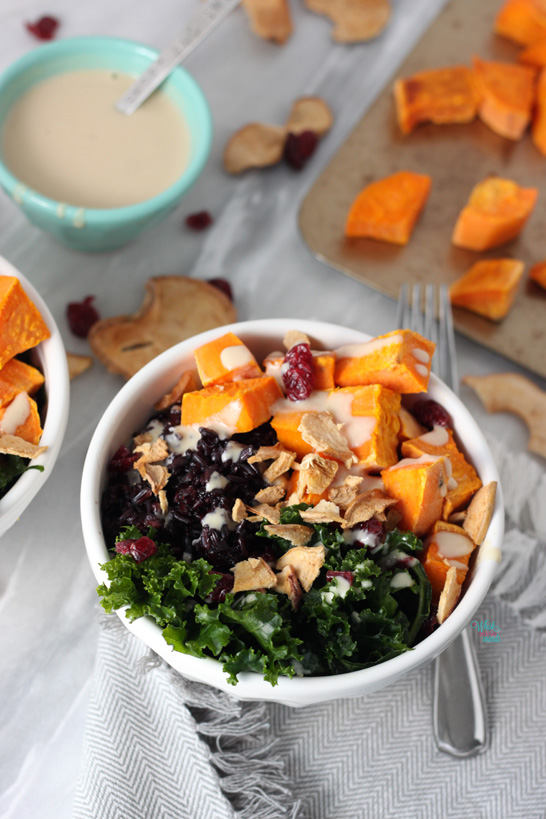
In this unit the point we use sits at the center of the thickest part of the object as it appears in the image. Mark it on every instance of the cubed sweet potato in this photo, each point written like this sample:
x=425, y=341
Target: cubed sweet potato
x=399, y=360
x=464, y=480
x=16, y=377
x=538, y=274
x=225, y=359
x=488, y=288
x=495, y=214
x=22, y=419
x=507, y=95
x=21, y=325
x=538, y=131
x=238, y=406
x=439, y=95
x=420, y=486
x=523, y=21
x=534, y=55
x=373, y=434
x=447, y=546
x=388, y=209
x=285, y=424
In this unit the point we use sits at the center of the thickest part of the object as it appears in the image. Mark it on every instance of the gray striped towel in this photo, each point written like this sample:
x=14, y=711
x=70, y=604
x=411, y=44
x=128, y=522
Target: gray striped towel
x=157, y=746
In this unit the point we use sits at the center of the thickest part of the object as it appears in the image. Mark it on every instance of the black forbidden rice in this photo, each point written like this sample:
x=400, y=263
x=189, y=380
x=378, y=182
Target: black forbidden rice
x=128, y=499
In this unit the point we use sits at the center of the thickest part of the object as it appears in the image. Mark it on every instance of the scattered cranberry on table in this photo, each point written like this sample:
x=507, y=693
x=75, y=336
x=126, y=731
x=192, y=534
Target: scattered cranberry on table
x=199, y=221
x=81, y=316
x=44, y=28
x=223, y=285
x=299, y=148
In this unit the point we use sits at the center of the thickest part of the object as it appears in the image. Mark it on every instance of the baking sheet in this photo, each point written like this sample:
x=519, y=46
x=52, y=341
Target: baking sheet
x=456, y=157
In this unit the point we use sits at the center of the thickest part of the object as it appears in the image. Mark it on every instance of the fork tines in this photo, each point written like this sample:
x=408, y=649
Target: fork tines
x=427, y=310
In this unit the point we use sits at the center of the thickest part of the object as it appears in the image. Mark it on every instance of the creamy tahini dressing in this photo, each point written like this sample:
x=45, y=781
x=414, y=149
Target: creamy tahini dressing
x=64, y=139
x=437, y=437
x=16, y=414
x=236, y=357
x=451, y=544
x=367, y=347
x=357, y=429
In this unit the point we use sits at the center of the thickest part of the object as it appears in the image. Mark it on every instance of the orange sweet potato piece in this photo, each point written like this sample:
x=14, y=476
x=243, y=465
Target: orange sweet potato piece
x=534, y=55
x=323, y=366
x=523, y=21
x=496, y=212
x=440, y=95
x=21, y=325
x=225, y=359
x=488, y=288
x=238, y=406
x=419, y=486
x=507, y=95
x=464, y=482
x=457, y=545
x=399, y=360
x=16, y=377
x=538, y=273
x=27, y=426
x=286, y=426
x=538, y=131
x=388, y=209
x=375, y=440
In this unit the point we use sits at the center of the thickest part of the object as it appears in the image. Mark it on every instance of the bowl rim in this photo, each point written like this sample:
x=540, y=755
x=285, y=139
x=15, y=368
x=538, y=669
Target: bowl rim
x=140, y=210
x=251, y=685
x=53, y=362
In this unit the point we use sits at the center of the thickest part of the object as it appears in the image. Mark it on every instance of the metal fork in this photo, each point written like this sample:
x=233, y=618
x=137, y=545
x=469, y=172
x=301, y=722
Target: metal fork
x=459, y=712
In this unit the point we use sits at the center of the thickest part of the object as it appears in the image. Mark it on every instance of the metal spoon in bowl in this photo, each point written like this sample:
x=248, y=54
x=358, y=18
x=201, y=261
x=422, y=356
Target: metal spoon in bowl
x=200, y=25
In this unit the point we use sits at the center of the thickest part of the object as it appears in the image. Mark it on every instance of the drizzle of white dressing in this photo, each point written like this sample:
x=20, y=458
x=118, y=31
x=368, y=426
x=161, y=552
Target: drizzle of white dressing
x=402, y=580
x=456, y=564
x=360, y=536
x=216, y=481
x=236, y=357
x=154, y=429
x=366, y=584
x=15, y=414
x=420, y=355
x=436, y=437
x=215, y=519
x=232, y=452
x=273, y=366
x=452, y=484
x=183, y=439
x=421, y=369
x=409, y=560
x=224, y=423
x=367, y=348
x=423, y=459
x=451, y=544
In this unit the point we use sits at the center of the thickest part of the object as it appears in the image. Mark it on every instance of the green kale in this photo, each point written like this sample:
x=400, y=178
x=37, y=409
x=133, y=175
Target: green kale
x=11, y=466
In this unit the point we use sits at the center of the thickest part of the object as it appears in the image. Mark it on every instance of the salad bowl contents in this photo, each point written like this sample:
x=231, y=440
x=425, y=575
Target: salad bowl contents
x=33, y=393
x=297, y=524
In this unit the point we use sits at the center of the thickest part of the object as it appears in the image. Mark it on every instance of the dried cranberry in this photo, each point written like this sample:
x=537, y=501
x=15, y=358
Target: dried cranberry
x=330, y=574
x=431, y=414
x=81, y=316
x=199, y=221
x=223, y=285
x=123, y=547
x=223, y=586
x=123, y=460
x=299, y=148
x=298, y=372
x=140, y=549
x=373, y=526
x=44, y=28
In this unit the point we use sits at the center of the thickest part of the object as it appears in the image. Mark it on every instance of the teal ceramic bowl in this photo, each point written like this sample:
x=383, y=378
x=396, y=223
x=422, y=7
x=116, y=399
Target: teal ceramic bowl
x=93, y=229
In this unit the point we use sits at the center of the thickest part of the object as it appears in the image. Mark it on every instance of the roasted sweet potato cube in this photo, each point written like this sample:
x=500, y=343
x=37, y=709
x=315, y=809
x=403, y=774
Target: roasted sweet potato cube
x=22, y=419
x=21, y=325
x=538, y=131
x=534, y=55
x=373, y=434
x=399, y=360
x=496, y=213
x=488, y=288
x=388, y=209
x=420, y=486
x=523, y=21
x=447, y=546
x=16, y=377
x=463, y=480
x=538, y=273
x=225, y=359
x=507, y=95
x=440, y=95
x=286, y=426
x=238, y=406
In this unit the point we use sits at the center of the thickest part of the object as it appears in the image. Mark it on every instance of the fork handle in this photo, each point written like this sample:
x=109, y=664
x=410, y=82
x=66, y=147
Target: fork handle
x=459, y=713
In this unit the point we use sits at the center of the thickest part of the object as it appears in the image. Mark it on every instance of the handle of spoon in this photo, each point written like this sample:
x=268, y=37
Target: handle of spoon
x=200, y=25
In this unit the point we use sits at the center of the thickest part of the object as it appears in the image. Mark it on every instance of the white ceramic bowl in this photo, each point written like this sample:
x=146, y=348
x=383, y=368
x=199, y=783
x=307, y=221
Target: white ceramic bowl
x=50, y=358
x=130, y=410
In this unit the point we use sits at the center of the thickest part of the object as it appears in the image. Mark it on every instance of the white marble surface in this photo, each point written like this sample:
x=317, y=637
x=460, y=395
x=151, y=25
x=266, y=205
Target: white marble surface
x=48, y=610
